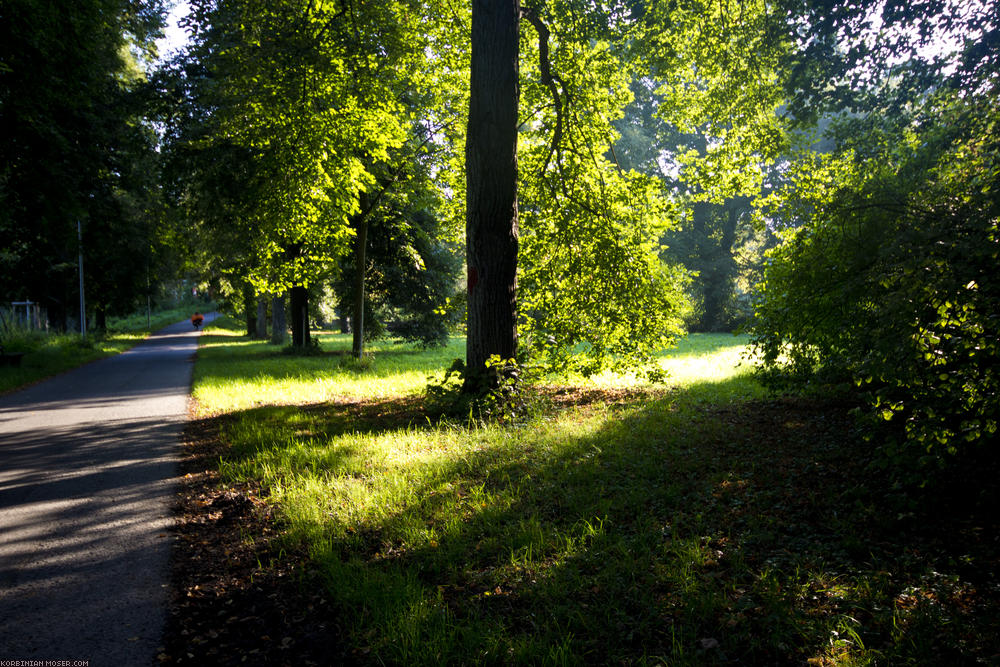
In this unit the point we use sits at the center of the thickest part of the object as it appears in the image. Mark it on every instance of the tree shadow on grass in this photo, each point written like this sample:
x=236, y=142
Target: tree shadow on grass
x=678, y=530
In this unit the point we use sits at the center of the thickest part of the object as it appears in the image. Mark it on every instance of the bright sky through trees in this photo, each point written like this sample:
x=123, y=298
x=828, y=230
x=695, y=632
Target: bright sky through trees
x=174, y=38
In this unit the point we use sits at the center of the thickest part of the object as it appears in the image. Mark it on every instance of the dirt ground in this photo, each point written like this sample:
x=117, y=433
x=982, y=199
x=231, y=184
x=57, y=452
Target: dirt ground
x=225, y=609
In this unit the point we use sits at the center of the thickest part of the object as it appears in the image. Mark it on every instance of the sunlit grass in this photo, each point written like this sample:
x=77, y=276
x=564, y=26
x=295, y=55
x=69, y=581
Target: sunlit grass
x=234, y=373
x=708, y=367
x=701, y=358
x=692, y=524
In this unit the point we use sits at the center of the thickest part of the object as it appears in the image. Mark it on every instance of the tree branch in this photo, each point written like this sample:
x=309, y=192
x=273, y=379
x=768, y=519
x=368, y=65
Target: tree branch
x=549, y=81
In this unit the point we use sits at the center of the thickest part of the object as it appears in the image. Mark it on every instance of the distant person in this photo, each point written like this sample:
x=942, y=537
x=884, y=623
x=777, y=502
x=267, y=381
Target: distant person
x=197, y=319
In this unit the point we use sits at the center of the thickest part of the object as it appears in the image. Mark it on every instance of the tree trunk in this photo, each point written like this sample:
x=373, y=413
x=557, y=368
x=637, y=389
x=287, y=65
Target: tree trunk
x=727, y=266
x=701, y=215
x=299, y=298
x=360, y=247
x=261, y=327
x=250, y=311
x=278, y=324
x=704, y=251
x=491, y=230
x=345, y=326
x=100, y=320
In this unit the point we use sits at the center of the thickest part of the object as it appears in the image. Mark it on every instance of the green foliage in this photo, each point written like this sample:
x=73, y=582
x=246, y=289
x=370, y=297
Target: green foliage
x=411, y=268
x=77, y=148
x=706, y=120
x=302, y=126
x=852, y=56
x=890, y=282
x=593, y=290
x=313, y=103
x=504, y=394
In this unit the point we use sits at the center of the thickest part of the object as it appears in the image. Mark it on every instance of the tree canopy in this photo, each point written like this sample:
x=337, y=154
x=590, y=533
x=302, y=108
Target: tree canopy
x=885, y=277
x=75, y=150
x=618, y=169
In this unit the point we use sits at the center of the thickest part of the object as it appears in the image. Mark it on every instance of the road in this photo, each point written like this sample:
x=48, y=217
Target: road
x=88, y=466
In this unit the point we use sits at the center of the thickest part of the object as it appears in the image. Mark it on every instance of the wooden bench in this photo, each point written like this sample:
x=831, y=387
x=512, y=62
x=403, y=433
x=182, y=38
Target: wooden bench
x=10, y=358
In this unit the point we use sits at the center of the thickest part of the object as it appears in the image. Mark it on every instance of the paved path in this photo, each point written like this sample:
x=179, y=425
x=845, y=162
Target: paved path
x=88, y=462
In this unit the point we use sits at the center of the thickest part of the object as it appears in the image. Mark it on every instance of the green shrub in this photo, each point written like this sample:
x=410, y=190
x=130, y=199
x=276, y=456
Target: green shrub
x=890, y=286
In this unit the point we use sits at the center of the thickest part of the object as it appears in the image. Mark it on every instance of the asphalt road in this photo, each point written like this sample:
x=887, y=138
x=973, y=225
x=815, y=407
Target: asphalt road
x=88, y=466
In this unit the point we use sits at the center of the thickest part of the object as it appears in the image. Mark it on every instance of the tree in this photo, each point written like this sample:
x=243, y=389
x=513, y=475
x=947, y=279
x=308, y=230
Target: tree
x=209, y=183
x=76, y=149
x=410, y=264
x=317, y=97
x=491, y=185
x=883, y=281
x=717, y=242
x=593, y=291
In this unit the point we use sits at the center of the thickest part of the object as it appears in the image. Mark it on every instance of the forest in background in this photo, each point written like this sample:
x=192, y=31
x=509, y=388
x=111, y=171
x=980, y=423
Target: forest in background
x=571, y=184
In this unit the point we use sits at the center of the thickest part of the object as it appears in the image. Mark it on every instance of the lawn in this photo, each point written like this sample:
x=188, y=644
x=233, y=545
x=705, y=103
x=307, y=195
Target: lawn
x=700, y=522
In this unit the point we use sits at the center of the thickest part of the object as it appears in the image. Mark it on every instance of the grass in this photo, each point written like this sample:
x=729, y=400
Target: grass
x=46, y=355
x=703, y=523
x=234, y=373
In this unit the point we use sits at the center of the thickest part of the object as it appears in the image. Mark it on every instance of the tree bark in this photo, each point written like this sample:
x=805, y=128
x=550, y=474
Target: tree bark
x=300, y=316
x=279, y=325
x=261, y=318
x=701, y=215
x=491, y=192
x=250, y=311
x=360, y=248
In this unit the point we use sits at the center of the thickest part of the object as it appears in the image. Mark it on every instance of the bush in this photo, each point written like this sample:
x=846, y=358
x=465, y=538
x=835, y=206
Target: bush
x=891, y=285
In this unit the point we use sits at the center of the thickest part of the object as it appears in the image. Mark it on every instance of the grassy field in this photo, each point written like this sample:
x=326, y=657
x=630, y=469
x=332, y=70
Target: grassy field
x=697, y=523
x=49, y=354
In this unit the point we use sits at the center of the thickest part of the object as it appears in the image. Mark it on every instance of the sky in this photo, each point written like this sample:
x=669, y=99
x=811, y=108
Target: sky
x=174, y=37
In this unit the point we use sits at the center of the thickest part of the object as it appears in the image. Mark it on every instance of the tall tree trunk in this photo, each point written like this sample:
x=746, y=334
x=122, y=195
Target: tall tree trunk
x=250, y=311
x=360, y=262
x=701, y=214
x=299, y=298
x=719, y=291
x=261, y=327
x=491, y=231
x=279, y=325
x=58, y=318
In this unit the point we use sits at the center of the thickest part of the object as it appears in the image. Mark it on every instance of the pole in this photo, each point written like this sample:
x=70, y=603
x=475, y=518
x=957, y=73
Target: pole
x=83, y=309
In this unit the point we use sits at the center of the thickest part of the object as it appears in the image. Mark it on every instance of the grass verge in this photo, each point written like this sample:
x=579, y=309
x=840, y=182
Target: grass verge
x=698, y=524
x=47, y=354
